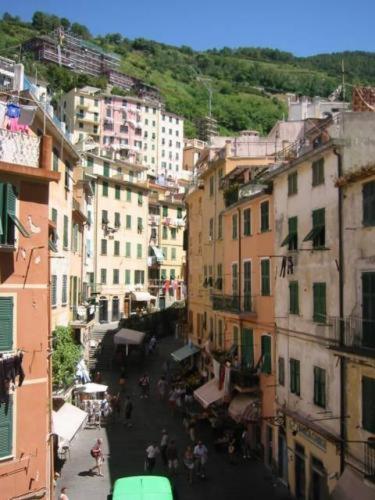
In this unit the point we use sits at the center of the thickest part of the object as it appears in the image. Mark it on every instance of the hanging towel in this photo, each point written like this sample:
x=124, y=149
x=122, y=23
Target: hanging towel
x=27, y=115
x=13, y=110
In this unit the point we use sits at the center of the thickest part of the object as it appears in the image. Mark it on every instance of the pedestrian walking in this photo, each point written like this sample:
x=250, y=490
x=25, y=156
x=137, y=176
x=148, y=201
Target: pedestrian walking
x=128, y=410
x=189, y=462
x=246, y=449
x=152, y=344
x=162, y=387
x=144, y=383
x=151, y=452
x=63, y=495
x=97, y=453
x=200, y=456
x=172, y=456
x=163, y=446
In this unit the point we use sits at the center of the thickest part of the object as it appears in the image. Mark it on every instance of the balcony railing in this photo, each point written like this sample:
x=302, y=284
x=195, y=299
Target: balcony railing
x=358, y=334
x=19, y=148
x=370, y=460
x=244, y=378
x=240, y=304
x=84, y=314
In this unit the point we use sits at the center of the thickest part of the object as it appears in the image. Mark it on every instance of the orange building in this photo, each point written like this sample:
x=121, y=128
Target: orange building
x=25, y=425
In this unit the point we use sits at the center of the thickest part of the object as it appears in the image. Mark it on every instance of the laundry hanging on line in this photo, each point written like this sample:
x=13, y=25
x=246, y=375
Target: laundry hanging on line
x=10, y=370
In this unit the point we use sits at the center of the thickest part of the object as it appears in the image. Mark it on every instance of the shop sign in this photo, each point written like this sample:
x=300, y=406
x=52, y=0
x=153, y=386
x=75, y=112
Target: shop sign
x=309, y=434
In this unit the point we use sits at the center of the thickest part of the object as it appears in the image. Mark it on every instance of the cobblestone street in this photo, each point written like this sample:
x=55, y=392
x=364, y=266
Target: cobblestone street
x=124, y=449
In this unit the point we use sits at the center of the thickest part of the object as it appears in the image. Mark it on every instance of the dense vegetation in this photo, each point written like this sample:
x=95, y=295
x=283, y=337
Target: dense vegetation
x=249, y=84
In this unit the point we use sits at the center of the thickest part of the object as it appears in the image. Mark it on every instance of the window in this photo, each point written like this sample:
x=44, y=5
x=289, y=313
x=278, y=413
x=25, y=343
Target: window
x=179, y=213
x=67, y=176
x=319, y=387
x=247, y=222
x=264, y=216
x=219, y=277
x=139, y=250
x=265, y=277
x=368, y=194
x=103, y=276
x=294, y=376
x=292, y=239
x=105, y=188
x=165, y=211
x=220, y=227
x=368, y=309
x=211, y=230
x=212, y=181
x=281, y=370
x=117, y=219
x=234, y=227
x=293, y=298
x=106, y=169
x=128, y=221
x=165, y=252
x=74, y=238
x=140, y=199
x=6, y=429
x=319, y=302
x=8, y=219
x=116, y=248
x=139, y=277
x=55, y=160
x=292, y=183
x=247, y=286
x=266, y=354
x=165, y=232
x=318, y=172
x=90, y=162
x=105, y=219
x=6, y=322
x=173, y=253
x=64, y=293
x=127, y=276
x=116, y=278
x=247, y=348
x=139, y=225
x=220, y=333
x=103, y=247
x=53, y=290
x=163, y=274
x=368, y=404
x=117, y=192
x=172, y=274
x=128, y=249
x=173, y=233
x=65, y=235
x=318, y=233
x=234, y=279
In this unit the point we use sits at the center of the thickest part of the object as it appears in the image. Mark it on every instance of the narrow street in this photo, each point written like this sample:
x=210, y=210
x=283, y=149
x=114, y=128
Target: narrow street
x=124, y=448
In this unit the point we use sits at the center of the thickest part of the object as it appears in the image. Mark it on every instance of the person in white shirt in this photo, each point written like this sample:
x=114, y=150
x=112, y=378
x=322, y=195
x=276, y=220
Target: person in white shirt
x=200, y=455
x=151, y=451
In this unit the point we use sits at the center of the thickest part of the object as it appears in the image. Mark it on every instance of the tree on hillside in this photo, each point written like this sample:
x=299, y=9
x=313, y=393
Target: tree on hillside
x=81, y=31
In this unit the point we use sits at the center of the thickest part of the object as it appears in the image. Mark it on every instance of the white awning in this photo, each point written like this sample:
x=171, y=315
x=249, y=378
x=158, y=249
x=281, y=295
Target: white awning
x=209, y=393
x=142, y=297
x=158, y=253
x=244, y=408
x=125, y=336
x=92, y=388
x=67, y=421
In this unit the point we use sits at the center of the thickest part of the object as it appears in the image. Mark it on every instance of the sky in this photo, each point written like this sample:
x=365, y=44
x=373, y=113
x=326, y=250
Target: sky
x=298, y=26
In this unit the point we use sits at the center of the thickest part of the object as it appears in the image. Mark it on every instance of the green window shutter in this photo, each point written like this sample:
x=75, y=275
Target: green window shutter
x=165, y=211
x=234, y=227
x=163, y=274
x=106, y=169
x=165, y=232
x=66, y=229
x=247, y=286
x=103, y=247
x=368, y=195
x=172, y=274
x=368, y=309
x=6, y=429
x=103, y=276
x=264, y=216
x=318, y=172
x=128, y=249
x=139, y=250
x=266, y=354
x=247, y=348
x=105, y=188
x=319, y=387
x=294, y=376
x=173, y=254
x=7, y=214
x=293, y=233
x=140, y=199
x=127, y=276
x=368, y=404
x=54, y=215
x=128, y=194
x=319, y=302
x=55, y=160
x=6, y=322
x=116, y=248
x=292, y=183
x=64, y=295
x=247, y=222
x=90, y=162
x=293, y=297
x=220, y=227
x=298, y=380
x=265, y=274
x=318, y=217
x=117, y=219
x=179, y=213
x=173, y=233
x=117, y=192
x=281, y=371
x=128, y=222
x=115, y=276
x=54, y=290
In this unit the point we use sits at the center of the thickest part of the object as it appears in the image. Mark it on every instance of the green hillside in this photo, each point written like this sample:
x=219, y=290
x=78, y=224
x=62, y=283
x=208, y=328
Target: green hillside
x=248, y=83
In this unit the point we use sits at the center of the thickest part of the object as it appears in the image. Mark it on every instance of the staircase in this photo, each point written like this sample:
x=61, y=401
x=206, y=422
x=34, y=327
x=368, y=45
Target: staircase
x=101, y=356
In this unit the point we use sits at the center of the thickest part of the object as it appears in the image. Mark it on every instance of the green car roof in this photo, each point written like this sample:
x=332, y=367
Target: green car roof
x=142, y=488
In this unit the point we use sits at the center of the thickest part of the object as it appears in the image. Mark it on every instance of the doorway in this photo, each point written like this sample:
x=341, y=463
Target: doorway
x=300, y=472
x=318, y=486
x=269, y=443
x=115, y=309
x=103, y=310
x=282, y=457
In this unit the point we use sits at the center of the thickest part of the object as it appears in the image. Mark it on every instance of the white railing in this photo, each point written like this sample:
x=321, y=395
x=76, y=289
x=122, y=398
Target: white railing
x=19, y=148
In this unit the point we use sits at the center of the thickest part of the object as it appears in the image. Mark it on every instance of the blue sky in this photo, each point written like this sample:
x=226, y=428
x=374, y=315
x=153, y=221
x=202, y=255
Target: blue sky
x=298, y=26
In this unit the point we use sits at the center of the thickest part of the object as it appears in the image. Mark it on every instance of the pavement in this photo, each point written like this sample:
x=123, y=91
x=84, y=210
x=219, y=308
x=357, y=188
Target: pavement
x=124, y=448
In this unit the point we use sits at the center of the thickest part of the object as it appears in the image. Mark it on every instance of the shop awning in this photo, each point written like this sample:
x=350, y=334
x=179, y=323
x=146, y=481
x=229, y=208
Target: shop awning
x=209, y=393
x=352, y=485
x=244, y=408
x=125, y=336
x=185, y=352
x=142, y=297
x=67, y=421
x=92, y=388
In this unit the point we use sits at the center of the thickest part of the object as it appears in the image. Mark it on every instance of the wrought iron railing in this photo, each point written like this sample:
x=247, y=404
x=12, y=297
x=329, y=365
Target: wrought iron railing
x=19, y=148
x=370, y=460
x=353, y=333
x=233, y=303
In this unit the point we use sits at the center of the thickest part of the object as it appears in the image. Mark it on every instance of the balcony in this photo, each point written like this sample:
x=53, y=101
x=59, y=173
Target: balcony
x=369, y=463
x=358, y=335
x=237, y=304
x=245, y=379
x=19, y=148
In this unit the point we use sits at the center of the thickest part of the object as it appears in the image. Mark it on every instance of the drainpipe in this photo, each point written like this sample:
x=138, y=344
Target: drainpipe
x=341, y=316
x=239, y=257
